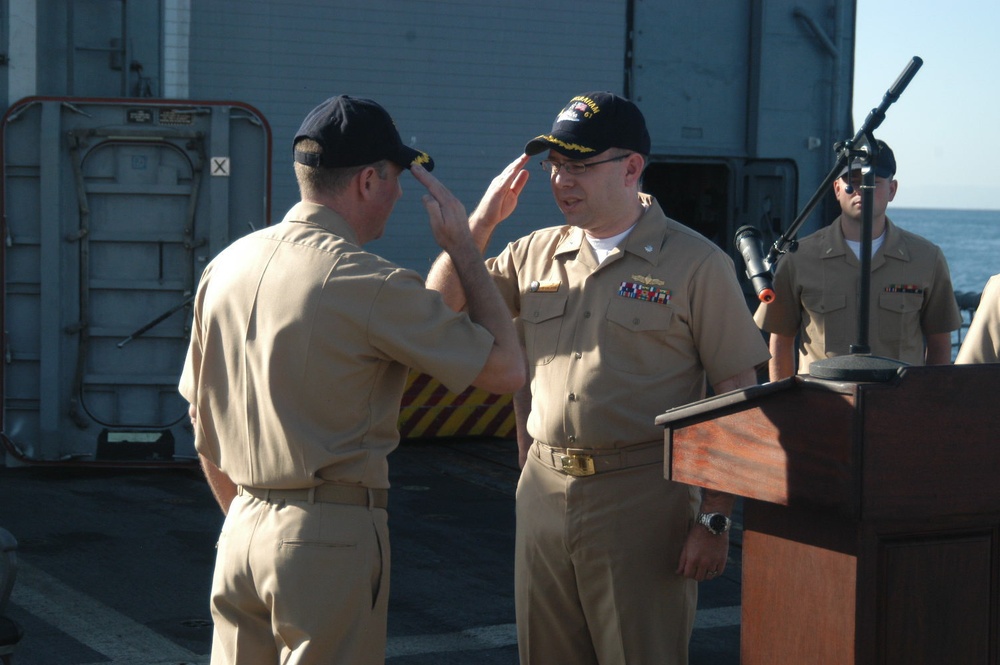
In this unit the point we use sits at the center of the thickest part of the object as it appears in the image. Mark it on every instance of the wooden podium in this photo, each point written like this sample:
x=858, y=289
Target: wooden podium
x=872, y=513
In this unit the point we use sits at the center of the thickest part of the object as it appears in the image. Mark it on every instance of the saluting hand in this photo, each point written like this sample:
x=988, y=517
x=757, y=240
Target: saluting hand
x=449, y=222
x=500, y=198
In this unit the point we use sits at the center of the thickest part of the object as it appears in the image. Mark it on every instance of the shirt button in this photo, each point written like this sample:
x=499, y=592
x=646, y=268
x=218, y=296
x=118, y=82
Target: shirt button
x=578, y=355
x=586, y=315
x=572, y=438
x=572, y=397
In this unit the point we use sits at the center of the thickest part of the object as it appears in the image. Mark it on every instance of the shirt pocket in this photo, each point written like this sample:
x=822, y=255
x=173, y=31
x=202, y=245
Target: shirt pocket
x=638, y=334
x=542, y=316
x=899, y=316
x=828, y=318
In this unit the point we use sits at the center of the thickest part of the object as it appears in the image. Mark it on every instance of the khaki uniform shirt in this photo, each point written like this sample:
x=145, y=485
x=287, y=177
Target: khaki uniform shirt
x=300, y=348
x=816, y=296
x=982, y=342
x=613, y=346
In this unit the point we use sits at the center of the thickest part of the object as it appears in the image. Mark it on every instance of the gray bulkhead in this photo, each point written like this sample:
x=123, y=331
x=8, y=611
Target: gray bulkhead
x=112, y=210
x=109, y=220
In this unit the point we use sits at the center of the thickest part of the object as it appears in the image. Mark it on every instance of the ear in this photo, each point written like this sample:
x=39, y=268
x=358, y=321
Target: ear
x=363, y=182
x=635, y=164
x=893, y=186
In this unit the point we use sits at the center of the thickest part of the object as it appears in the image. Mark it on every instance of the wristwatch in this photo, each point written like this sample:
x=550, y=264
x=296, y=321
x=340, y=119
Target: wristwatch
x=716, y=523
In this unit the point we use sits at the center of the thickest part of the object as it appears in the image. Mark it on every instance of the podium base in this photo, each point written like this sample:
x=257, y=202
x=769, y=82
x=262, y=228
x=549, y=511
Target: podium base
x=859, y=367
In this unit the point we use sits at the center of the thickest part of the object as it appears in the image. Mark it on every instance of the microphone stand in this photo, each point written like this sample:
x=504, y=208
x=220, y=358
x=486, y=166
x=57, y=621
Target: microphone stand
x=846, y=153
x=860, y=365
x=865, y=278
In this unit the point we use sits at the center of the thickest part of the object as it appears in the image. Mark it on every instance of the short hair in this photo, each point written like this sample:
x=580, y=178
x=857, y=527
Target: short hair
x=316, y=179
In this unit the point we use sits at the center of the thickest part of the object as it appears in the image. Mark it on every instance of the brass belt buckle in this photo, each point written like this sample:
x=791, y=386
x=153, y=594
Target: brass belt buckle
x=577, y=465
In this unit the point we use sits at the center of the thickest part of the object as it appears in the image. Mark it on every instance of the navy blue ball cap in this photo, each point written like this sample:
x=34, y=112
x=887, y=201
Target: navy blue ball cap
x=592, y=123
x=885, y=162
x=352, y=131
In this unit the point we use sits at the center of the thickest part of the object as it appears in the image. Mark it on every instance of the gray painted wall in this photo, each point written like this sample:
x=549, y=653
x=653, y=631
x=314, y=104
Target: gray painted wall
x=468, y=82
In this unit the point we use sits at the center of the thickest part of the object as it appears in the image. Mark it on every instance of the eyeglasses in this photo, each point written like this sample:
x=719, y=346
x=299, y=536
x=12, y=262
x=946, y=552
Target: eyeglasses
x=576, y=168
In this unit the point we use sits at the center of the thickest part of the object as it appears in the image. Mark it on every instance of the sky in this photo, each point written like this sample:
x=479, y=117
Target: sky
x=945, y=127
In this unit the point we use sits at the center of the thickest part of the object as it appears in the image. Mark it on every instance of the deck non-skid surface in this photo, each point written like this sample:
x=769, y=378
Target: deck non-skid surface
x=116, y=564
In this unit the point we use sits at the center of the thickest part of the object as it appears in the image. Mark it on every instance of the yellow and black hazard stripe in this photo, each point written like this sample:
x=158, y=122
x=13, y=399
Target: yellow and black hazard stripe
x=430, y=410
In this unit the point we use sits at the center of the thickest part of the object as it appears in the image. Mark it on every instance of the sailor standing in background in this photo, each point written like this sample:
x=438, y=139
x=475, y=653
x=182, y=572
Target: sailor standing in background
x=299, y=353
x=816, y=289
x=982, y=341
x=625, y=313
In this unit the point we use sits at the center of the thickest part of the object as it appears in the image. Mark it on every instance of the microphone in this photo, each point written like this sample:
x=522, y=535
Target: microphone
x=747, y=240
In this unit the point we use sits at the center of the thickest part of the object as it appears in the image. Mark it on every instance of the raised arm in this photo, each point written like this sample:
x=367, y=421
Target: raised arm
x=497, y=204
x=504, y=371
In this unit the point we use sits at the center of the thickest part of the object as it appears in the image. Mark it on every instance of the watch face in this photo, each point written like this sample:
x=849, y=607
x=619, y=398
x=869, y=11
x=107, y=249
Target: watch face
x=717, y=523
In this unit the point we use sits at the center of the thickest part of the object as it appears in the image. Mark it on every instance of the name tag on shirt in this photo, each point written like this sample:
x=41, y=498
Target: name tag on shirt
x=544, y=287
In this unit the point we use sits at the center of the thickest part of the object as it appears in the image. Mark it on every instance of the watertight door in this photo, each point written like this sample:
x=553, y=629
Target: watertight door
x=112, y=209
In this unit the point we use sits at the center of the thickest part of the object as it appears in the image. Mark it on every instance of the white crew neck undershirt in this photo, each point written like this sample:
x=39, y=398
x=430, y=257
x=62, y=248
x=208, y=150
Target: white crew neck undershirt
x=855, y=245
x=604, y=246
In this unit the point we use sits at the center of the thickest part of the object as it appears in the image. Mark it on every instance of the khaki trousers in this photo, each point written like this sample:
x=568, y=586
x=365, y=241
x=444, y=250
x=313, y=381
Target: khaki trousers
x=594, y=567
x=300, y=584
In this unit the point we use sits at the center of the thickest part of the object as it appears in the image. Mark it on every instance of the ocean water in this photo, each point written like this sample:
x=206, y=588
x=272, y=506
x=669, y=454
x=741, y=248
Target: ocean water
x=970, y=240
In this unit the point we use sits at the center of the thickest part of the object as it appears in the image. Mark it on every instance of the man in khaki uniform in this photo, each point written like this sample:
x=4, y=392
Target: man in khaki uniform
x=982, y=342
x=300, y=347
x=625, y=313
x=816, y=288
